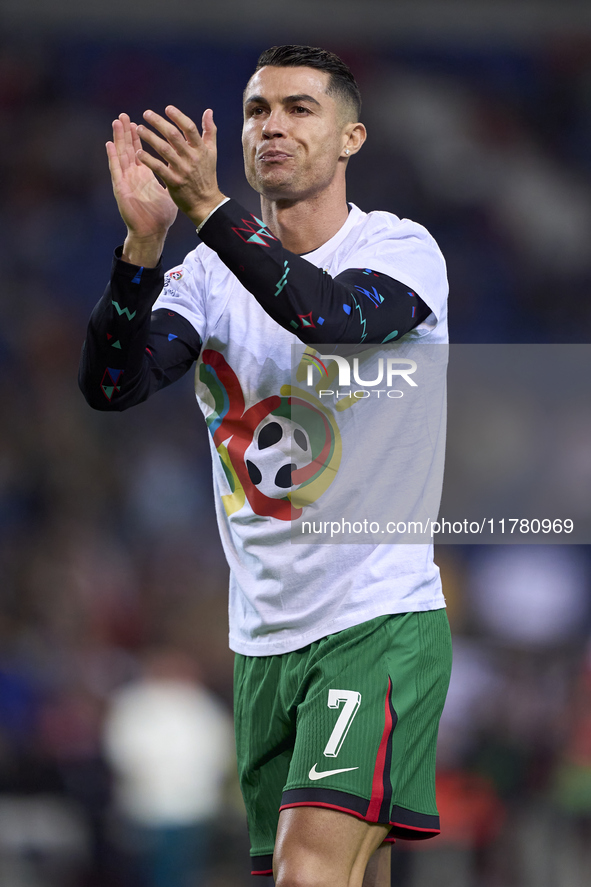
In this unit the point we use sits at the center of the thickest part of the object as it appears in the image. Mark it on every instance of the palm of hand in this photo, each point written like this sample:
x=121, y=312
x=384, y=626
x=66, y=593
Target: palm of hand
x=145, y=205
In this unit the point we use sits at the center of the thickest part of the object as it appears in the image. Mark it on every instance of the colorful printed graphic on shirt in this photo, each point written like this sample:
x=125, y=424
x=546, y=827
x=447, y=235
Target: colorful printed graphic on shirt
x=281, y=283
x=280, y=454
x=255, y=232
x=129, y=314
x=110, y=383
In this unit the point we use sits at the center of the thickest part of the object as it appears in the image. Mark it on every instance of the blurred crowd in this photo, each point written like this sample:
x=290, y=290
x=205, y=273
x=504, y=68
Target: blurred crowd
x=112, y=580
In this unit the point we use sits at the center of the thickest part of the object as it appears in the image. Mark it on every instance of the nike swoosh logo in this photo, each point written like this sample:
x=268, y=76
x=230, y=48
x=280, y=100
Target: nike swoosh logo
x=324, y=773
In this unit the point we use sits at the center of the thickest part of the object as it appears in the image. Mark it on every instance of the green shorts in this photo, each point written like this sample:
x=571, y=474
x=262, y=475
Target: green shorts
x=349, y=722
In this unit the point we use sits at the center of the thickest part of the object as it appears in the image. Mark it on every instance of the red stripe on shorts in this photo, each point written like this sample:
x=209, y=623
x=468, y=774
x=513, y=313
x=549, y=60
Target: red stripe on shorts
x=377, y=788
x=322, y=804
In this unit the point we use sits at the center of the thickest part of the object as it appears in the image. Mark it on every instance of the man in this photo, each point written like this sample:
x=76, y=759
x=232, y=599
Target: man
x=169, y=744
x=342, y=651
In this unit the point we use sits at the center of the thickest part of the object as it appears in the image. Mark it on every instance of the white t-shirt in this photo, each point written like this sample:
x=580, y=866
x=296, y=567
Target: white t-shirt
x=284, y=596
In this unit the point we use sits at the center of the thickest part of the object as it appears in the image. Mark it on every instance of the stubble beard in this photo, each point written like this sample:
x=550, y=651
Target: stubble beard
x=286, y=186
x=273, y=184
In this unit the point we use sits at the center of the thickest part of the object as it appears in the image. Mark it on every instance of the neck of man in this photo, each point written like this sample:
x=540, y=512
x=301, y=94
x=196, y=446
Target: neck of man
x=304, y=224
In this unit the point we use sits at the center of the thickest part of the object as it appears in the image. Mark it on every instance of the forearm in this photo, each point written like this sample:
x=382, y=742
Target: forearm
x=301, y=297
x=130, y=353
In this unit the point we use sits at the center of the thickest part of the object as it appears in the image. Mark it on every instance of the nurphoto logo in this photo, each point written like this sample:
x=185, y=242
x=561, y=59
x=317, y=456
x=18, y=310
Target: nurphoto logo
x=389, y=371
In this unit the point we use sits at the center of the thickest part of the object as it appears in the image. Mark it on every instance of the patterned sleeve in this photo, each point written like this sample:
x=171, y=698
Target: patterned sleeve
x=357, y=306
x=131, y=352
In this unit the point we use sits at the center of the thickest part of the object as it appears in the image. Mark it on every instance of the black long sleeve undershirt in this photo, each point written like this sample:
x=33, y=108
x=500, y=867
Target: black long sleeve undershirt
x=130, y=352
x=357, y=306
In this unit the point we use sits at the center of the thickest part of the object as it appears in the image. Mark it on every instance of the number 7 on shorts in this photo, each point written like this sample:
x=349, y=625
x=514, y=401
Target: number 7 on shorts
x=352, y=700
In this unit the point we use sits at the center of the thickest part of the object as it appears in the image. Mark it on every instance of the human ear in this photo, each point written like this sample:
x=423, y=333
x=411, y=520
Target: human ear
x=353, y=138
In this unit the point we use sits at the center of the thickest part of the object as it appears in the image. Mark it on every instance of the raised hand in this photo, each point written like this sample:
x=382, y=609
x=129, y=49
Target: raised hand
x=145, y=205
x=188, y=165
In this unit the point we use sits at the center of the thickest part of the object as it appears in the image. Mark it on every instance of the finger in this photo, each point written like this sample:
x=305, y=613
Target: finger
x=167, y=151
x=171, y=133
x=114, y=165
x=136, y=142
x=209, y=129
x=187, y=126
x=160, y=169
x=127, y=139
x=123, y=140
x=119, y=142
x=123, y=143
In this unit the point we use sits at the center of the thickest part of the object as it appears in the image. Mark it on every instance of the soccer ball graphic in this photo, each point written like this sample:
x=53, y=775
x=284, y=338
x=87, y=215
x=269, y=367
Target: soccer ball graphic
x=279, y=446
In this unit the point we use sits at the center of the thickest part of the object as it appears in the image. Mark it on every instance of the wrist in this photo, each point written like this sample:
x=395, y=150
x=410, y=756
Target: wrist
x=200, y=212
x=143, y=251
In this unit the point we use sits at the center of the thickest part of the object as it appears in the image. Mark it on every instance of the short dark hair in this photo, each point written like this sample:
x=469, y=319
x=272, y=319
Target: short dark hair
x=342, y=84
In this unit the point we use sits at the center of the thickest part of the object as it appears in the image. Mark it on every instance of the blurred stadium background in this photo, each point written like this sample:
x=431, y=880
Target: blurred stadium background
x=112, y=580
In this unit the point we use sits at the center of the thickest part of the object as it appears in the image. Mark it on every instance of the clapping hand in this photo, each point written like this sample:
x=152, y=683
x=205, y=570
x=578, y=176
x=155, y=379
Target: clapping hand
x=145, y=205
x=187, y=168
x=188, y=164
